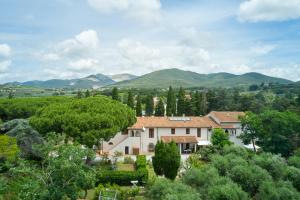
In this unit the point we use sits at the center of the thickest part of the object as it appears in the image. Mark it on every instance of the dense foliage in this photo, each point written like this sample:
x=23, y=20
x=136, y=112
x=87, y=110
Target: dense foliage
x=84, y=120
x=166, y=160
x=276, y=132
x=232, y=173
x=220, y=138
x=26, y=107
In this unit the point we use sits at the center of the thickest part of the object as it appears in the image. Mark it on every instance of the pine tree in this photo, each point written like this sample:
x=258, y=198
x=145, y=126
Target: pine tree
x=181, y=102
x=138, y=107
x=130, y=101
x=160, y=108
x=115, y=94
x=189, y=108
x=87, y=93
x=204, y=104
x=171, y=102
x=149, y=105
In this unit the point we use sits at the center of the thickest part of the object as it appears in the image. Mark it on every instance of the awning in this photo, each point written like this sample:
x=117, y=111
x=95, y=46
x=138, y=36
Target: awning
x=179, y=139
x=204, y=143
x=250, y=146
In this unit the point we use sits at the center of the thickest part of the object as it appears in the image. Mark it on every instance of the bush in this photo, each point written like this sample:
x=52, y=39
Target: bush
x=294, y=161
x=249, y=177
x=141, y=162
x=292, y=174
x=122, y=177
x=128, y=160
x=164, y=189
x=122, y=193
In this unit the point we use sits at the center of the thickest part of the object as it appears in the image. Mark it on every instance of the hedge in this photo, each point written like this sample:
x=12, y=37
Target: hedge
x=122, y=177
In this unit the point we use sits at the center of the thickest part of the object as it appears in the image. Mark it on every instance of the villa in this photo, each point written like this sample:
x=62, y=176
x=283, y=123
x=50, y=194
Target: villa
x=189, y=133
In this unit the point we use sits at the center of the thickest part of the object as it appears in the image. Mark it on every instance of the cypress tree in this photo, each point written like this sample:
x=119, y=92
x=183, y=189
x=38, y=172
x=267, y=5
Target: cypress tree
x=158, y=158
x=149, y=105
x=181, y=102
x=171, y=102
x=130, y=101
x=204, y=104
x=115, y=94
x=160, y=108
x=79, y=94
x=138, y=107
x=171, y=160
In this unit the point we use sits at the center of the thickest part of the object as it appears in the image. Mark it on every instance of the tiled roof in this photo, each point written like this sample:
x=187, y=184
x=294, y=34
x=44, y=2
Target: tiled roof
x=179, y=139
x=166, y=122
x=227, y=116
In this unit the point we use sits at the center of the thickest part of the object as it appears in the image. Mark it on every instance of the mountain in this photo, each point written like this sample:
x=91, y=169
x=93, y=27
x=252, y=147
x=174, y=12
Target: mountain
x=176, y=78
x=92, y=81
x=122, y=77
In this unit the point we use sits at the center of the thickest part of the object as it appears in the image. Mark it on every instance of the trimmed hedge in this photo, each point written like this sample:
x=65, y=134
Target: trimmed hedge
x=122, y=177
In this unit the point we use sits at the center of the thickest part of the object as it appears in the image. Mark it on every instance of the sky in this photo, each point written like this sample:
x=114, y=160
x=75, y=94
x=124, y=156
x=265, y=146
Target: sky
x=64, y=39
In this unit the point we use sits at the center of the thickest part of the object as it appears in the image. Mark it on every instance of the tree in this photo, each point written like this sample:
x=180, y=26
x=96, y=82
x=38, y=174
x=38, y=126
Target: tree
x=220, y=138
x=171, y=102
x=166, y=160
x=171, y=161
x=87, y=93
x=86, y=121
x=115, y=94
x=10, y=95
x=130, y=100
x=149, y=105
x=276, y=132
x=158, y=158
x=138, y=107
x=181, y=102
x=79, y=94
x=160, y=108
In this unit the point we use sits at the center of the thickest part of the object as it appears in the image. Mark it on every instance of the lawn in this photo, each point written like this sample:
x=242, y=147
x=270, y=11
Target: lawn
x=125, y=167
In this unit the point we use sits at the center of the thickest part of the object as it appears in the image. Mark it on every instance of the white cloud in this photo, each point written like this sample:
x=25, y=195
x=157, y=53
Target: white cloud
x=83, y=43
x=269, y=10
x=83, y=64
x=5, y=50
x=262, y=49
x=50, y=57
x=4, y=66
x=144, y=10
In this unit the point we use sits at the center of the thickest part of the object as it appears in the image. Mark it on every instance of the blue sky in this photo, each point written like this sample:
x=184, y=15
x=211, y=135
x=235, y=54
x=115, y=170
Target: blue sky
x=41, y=40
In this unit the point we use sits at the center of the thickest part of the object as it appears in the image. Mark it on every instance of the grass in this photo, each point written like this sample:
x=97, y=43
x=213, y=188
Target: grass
x=125, y=167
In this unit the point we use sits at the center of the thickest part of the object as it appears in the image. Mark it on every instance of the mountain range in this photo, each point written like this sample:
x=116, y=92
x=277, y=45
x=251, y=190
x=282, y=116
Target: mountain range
x=158, y=79
x=176, y=78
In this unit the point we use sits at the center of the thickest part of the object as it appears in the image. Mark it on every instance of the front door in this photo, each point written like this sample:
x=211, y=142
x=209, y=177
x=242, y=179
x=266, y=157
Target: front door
x=126, y=150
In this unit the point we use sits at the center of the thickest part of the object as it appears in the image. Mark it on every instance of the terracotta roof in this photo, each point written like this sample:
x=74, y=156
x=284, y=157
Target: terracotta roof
x=227, y=126
x=227, y=116
x=179, y=139
x=175, y=122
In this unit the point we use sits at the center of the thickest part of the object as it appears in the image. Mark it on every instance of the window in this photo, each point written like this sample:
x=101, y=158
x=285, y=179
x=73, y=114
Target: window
x=198, y=132
x=132, y=134
x=173, y=131
x=151, y=147
x=151, y=132
x=187, y=131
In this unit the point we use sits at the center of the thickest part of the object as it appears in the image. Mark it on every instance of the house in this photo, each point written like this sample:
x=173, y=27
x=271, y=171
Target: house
x=230, y=122
x=189, y=133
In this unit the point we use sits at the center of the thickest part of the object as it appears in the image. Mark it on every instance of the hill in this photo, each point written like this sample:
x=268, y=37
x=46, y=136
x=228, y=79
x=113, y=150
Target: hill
x=176, y=78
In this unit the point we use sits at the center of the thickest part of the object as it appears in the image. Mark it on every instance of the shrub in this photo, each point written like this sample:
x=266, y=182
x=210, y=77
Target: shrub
x=122, y=177
x=128, y=160
x=294, y=161
x=249, y=177
x=141, y=162
x=292, y=174
x=164, y=189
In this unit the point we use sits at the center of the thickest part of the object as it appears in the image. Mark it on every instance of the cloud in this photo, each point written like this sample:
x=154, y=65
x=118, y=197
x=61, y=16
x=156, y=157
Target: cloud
x=142, y=10
x=5, y=50
x=83, y=64
x=83, y=43
x=269, y=10
x=262, y=49
x=4, y=66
